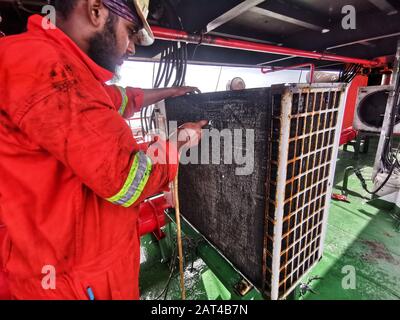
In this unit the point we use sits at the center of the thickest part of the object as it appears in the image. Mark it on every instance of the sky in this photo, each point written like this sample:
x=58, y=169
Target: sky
x=207, y=78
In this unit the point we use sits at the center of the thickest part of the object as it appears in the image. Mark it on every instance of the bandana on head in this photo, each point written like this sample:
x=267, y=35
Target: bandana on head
x=124, y=9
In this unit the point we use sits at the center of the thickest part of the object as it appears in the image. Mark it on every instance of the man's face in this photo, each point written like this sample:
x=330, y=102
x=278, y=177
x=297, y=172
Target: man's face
x=110, y=47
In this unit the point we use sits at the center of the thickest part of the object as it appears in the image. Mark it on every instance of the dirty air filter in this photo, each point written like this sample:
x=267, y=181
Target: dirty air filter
x=271, y=222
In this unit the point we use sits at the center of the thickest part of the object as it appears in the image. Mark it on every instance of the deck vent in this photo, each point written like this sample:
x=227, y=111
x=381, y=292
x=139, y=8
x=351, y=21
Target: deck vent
x=371, y=107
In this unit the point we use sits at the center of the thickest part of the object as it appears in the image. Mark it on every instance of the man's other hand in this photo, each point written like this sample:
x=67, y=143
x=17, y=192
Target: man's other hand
x=181, y=91
x=189, y=134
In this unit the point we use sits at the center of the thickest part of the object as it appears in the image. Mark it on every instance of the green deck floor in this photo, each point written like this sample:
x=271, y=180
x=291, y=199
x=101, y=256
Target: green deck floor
x=360, y=238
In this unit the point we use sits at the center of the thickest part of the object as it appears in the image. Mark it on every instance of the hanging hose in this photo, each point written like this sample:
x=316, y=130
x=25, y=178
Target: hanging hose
x=364, y=183
x=393, y=165
x=179, y=236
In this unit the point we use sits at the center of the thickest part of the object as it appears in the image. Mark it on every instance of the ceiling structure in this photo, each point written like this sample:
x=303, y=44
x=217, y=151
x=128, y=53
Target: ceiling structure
x=312, y=25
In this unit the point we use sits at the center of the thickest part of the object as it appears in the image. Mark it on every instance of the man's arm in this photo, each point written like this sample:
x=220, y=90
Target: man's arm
x=128, y=101
x=73, y=119
x=152, y=96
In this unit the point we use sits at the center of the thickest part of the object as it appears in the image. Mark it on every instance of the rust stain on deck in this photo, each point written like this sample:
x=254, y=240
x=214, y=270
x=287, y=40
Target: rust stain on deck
x=378, y=251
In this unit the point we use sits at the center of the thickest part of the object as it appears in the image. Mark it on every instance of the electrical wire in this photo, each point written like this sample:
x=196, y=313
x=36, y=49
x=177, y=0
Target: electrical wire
x=199, y=44
x=191, y=245
x=160, y=75
x=389, y=158
x=387, y=154
x=364, y=183
x=185, y=64
x=174, y=58
x=179, y=237
x=349, y=72
x=393, y=166
x=171, y=273
x=172, y=67
x=179, y=64
x=168, y=65
x=301, y=74
x=219, y=79
x=178, y=248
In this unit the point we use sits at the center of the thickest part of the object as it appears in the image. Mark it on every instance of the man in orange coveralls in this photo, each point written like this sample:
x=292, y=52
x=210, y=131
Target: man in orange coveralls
x=71, y=173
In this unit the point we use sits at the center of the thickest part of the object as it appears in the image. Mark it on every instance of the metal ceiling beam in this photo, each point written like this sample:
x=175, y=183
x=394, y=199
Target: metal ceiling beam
x=288, y=19
x=232, y=14
x=340, y=38
x=384, y=6
x=364, y=41
x=293, y=13
x=249, y=33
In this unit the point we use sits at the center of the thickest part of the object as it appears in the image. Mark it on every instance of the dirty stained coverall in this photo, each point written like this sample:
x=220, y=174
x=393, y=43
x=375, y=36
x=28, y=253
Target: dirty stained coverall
x=71, y=173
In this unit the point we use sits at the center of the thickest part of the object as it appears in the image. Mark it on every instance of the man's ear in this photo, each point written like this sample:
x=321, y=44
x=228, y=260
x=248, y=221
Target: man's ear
x=97, y=12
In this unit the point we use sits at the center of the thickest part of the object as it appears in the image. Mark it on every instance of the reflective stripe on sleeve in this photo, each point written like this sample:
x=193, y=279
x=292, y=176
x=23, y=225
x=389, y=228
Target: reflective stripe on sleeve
x=124, y=100
x=135, y=183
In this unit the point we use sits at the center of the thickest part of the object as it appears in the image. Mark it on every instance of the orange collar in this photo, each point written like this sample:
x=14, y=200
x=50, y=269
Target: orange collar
x=56, y=35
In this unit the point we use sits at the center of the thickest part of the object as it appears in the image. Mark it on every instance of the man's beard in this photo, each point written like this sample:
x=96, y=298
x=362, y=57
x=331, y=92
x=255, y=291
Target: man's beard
x=103, y=45
x=117, y=75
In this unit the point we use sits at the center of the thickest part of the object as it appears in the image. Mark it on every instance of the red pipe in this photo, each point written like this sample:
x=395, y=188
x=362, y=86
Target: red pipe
x=274, y=69
x=152, y=216
x=176, y=35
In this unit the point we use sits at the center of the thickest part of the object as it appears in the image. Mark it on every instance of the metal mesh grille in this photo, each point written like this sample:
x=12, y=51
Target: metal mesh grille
x=309, y=128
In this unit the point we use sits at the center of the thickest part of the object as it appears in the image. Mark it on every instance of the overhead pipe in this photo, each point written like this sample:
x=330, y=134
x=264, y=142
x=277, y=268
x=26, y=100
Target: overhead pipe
x=176, y=35
x=275, y=69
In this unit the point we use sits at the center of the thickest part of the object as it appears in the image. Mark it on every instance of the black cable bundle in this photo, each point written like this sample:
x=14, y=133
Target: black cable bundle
x=349, y=72
x=387, y=155
x=393, y=166
x=173, y=58
x=389, y=158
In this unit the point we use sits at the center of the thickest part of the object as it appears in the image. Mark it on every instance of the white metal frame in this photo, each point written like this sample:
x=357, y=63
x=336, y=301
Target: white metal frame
x=286, y=109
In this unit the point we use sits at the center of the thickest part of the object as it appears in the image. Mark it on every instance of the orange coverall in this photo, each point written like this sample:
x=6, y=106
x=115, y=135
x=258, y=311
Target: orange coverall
x=71, y=173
